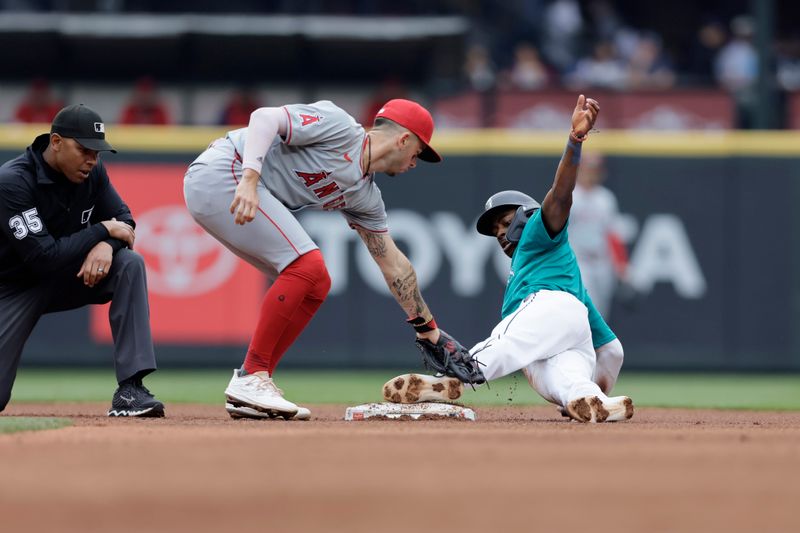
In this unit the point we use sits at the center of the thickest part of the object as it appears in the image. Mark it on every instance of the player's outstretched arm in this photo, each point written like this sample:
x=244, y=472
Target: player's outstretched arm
x=558, y=201
x=402, y=281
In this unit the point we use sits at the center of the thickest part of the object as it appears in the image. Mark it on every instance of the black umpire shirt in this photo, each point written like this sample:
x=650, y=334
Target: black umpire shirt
x=49, y=224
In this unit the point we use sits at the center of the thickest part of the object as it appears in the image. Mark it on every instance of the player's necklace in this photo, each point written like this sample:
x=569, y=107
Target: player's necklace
x=369, y=155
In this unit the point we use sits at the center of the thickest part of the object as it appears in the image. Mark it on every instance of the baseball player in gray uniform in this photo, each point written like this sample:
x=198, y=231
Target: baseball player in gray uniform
x=244, y=190
x=593, y=236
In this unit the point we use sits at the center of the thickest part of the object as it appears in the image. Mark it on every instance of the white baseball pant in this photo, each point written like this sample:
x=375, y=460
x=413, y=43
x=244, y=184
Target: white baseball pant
x=272, y=241
x=549, y=339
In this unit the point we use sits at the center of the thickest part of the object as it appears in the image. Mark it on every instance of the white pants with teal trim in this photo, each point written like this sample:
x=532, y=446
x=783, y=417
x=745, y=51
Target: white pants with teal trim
x=547, y=337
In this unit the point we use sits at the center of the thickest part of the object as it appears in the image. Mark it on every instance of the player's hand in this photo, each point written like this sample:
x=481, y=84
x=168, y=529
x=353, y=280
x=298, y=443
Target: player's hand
x=120, y=230
x=97, y=264
x=584, y=116
x=432, y=335
x=245, y=201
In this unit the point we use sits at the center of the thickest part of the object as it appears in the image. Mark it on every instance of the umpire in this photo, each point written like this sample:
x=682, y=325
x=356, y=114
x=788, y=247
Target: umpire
x=67, y=241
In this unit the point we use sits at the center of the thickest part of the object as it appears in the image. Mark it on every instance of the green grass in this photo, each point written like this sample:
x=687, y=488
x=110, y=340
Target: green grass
x=12, y=424
x=724, y=391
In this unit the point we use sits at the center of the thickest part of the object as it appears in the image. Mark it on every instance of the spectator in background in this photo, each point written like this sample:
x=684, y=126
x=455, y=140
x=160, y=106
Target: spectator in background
x=603, y=69
x=145, y=106
x=601, y=254
x=736, y=69
x=605, y=20
x=788, y=64
x=241, y=103
x=648, y=68
x=561, y=31
x=527, y=73
x=479, y=70
x=390, y=89
x=710, y=38
x=39, y=105
x=481, y=77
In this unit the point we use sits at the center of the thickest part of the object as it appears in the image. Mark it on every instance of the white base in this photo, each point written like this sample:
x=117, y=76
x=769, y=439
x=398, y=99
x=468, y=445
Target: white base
x=413, y=411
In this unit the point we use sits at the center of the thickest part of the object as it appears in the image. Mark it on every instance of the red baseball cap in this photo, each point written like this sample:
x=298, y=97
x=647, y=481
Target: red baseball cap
x=415, y=119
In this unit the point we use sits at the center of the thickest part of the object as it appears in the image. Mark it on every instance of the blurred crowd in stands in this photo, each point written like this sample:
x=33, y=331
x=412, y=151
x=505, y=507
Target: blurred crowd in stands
x=590, y=44
x=516, y=45
x=144, y=106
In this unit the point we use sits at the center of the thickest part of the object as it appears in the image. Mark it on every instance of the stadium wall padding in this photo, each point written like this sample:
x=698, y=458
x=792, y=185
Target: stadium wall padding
x=714, y=240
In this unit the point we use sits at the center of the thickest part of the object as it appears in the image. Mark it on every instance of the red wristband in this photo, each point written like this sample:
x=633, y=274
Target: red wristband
x=421, y=326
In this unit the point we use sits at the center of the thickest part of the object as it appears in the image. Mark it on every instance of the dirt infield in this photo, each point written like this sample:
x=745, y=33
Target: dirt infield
x=515, y=469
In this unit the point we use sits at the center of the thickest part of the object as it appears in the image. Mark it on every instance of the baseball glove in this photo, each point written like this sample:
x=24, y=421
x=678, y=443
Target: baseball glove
x=448, y=357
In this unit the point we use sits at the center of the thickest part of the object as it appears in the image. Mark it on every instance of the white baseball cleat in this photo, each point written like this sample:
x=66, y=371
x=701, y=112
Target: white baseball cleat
x=242, y=411
x=619, y=408
x=260, y=393
x=418, y=388
x=593, y=410
x=303, y=413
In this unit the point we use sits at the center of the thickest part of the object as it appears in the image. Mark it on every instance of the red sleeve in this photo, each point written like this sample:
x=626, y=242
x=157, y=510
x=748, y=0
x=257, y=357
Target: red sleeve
x=619, y=254
x=127, y=115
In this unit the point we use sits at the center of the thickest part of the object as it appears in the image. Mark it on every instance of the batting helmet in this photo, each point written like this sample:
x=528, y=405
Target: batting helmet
x=499, y=202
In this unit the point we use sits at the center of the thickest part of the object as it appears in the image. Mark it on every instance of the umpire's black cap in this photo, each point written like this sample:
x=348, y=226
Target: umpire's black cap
x=84, y=125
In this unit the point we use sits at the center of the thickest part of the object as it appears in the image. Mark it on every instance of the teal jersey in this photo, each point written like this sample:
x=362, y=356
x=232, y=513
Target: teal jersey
x=541, y=262
x=601, y=333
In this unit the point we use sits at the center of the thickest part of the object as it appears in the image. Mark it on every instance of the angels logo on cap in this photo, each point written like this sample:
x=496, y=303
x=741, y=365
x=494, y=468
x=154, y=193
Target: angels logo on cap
x=415, y=119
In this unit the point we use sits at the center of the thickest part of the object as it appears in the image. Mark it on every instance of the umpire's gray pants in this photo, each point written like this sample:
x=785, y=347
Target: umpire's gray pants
x=125, y=287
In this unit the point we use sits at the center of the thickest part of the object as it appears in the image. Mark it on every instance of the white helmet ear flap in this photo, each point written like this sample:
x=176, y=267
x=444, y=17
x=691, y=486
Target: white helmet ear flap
x=521, y=217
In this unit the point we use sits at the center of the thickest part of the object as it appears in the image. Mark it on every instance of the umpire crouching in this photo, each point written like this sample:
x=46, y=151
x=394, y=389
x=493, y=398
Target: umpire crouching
x=67, y=241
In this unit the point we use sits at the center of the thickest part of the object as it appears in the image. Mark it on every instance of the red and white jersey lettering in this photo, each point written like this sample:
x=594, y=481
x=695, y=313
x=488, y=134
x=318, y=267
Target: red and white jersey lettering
x=311, y=178
x=318, y=165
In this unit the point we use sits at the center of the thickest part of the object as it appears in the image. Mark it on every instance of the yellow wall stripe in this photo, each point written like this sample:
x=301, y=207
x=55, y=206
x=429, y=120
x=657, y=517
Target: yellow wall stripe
x=472, y=142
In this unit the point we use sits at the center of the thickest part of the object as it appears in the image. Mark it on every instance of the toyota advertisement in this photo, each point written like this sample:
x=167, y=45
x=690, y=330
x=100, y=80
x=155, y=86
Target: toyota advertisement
x=695, y=299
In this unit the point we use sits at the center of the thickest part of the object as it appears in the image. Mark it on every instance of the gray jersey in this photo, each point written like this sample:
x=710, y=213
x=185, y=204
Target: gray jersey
x=592, y=218
x=318, y=165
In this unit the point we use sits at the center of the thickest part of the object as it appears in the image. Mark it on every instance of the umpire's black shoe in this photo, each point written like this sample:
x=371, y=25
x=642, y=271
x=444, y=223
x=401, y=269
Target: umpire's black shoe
x=133, y=399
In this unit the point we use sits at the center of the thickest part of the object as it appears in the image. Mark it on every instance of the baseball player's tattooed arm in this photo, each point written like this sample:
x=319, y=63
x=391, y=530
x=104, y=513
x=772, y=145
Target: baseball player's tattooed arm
x=558, y=201
x=399, y=275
